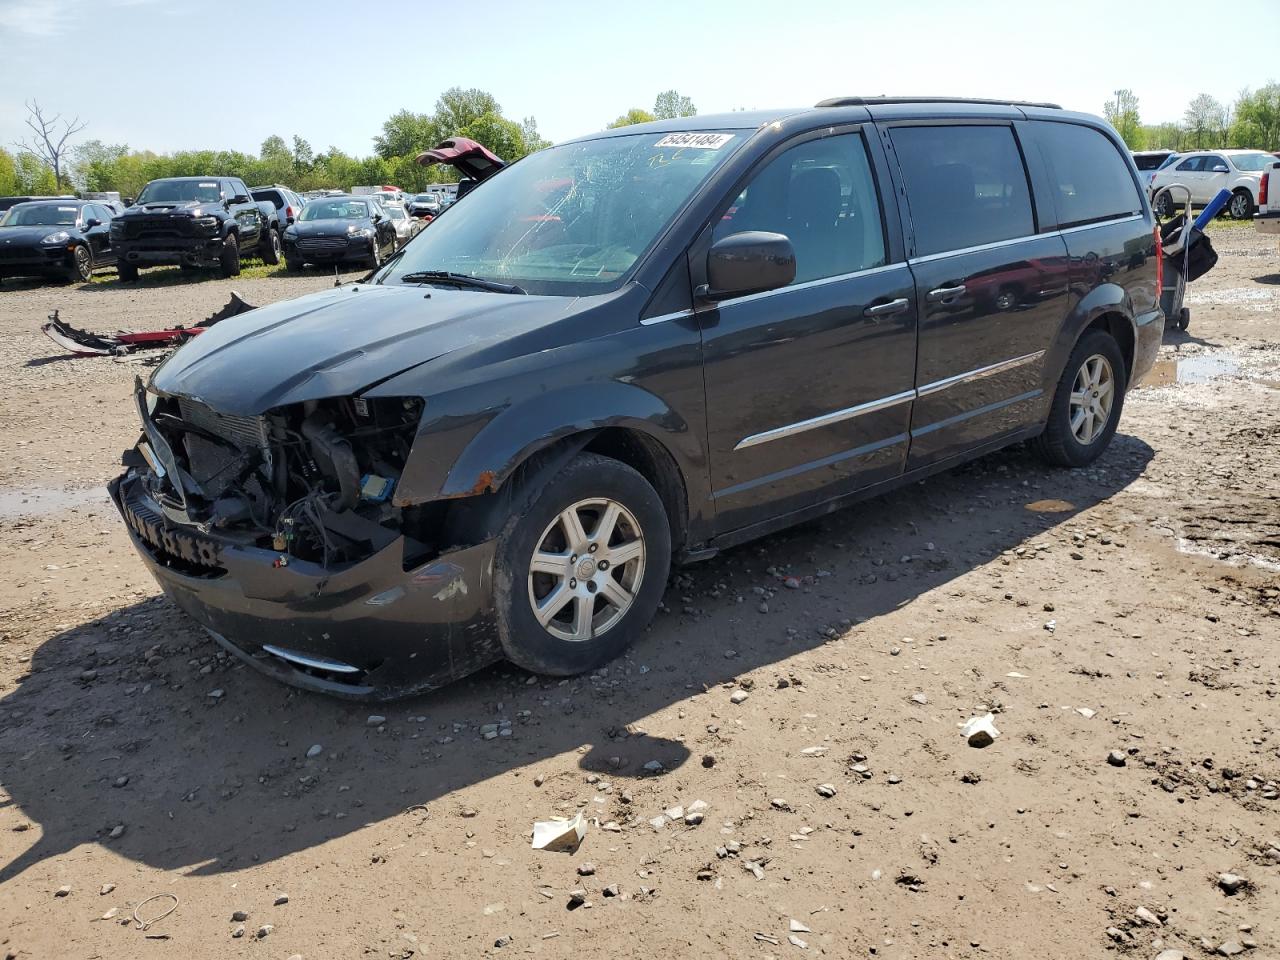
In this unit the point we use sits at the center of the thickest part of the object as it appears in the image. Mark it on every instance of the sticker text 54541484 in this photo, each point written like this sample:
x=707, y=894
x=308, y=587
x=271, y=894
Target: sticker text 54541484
x=698, y=141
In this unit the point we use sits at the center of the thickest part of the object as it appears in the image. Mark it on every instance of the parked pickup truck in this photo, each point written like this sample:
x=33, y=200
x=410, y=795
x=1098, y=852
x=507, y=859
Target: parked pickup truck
x=195, y=222
x=1267, y=219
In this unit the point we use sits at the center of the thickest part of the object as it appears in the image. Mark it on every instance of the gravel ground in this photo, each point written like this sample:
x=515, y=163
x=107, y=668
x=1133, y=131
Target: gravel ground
x=1121, y=623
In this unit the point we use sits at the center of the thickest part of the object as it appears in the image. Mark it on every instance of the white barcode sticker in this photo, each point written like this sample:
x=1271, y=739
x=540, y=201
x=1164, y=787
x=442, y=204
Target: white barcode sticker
x=698, y=141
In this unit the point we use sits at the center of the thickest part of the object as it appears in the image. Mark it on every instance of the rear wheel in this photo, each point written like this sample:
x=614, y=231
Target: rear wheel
x=582, y=570
x=1086, y=404
x=1240, y=206
x=81, y=269
x=229, y=261
x=128, y=272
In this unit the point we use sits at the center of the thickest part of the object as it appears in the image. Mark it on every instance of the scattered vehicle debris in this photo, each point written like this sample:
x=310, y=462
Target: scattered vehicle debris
x=83, y=343
x=559, y=834
x=980, y=731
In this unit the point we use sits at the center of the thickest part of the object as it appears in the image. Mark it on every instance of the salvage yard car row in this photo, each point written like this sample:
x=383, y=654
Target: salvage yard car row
x=198, y=223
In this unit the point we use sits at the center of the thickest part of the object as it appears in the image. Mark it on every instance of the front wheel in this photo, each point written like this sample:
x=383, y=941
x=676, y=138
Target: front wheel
x=1240, y=206
x=127, y=271
x=1086, y=404
x=270, y=251
x=581, y=572
x=375, y=259
x=229, y=261
x=1164, y=206
x=81, y=269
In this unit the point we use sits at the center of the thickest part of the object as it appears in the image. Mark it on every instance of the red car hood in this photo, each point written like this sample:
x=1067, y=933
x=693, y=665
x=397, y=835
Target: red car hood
x=471, y=159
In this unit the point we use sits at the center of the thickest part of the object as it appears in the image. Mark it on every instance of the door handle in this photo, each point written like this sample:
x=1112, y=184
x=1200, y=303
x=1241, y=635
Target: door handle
x=892, y=308
x=942, y=294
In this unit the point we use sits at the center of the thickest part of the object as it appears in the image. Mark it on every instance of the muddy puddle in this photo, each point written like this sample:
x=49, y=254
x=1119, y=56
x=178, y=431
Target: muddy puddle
x=42, y=501
x=1200, y=369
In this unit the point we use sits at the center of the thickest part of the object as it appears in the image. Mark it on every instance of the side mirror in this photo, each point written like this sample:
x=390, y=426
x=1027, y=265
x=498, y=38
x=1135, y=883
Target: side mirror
x=1219, y=168
x=128, y=201
x=377, y=218
x=749, y=262
x=239, y=198
x=92, y=222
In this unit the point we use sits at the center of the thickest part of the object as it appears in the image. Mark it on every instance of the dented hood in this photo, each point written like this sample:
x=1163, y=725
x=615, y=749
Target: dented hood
x=338, y=342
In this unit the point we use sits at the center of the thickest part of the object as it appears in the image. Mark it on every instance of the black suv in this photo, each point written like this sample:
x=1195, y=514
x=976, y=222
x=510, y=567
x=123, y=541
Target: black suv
x=195, y=222
x=660, y=340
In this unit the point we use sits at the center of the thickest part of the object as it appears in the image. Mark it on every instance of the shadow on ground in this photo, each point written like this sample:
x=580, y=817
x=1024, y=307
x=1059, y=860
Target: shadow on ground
x=222, y=783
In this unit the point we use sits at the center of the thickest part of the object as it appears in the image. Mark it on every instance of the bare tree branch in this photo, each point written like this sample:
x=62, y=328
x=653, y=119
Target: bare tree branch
x=50, y=145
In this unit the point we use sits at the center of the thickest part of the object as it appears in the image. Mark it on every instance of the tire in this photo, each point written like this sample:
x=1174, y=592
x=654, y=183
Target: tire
x=293, y=266
x=128, y=272
x=1184, y=318
x=1065, y=446
x=375, y=261
x=1240, y=206
x=187, y=267
x=1164, y=206
x=591, y=486
x=81, y=269
x=270, y=249
x=229, y=261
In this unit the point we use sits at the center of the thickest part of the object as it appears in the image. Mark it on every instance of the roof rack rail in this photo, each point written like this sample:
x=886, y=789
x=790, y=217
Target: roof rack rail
x=872, y=101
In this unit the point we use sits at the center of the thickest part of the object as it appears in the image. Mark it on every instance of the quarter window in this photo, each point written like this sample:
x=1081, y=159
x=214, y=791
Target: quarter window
x=821, y=195
x=1090, y=179
x=966, y=186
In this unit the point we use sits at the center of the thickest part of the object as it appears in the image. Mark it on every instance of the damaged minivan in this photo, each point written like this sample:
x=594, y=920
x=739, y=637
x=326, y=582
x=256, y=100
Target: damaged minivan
x=651, y=343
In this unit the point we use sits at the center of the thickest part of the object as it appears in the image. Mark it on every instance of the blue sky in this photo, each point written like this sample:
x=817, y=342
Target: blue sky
x=170, y=74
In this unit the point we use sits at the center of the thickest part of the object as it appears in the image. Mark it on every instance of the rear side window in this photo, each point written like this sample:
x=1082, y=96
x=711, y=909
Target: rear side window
x=1191, y=164
x=1087, y=172
x=966, y=186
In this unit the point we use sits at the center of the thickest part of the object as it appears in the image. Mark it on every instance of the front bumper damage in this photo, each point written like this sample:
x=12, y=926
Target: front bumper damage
x=368, y=630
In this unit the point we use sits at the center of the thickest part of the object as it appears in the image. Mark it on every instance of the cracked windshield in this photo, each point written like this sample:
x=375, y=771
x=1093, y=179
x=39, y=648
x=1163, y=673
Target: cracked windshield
x=571, y=220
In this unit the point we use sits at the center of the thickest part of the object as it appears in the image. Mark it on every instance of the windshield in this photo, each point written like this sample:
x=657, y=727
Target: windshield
x=40, y=214
x=1252, y=162
x=179, y=191
x=570, y=220
x=335, y=210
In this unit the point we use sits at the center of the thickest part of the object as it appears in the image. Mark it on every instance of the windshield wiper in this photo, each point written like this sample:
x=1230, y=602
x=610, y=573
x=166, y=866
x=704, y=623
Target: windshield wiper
x=461, y=280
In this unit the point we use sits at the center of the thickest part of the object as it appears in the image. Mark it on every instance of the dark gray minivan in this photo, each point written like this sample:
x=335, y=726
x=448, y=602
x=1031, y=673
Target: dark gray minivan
x=656, y=341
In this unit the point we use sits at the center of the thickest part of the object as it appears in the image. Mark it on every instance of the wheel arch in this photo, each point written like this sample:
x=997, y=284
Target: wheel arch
x=1106, y=308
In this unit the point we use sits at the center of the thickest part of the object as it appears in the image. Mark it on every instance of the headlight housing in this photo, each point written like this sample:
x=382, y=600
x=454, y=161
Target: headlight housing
x=60, y=237
x=205, y=223
x=355, y=231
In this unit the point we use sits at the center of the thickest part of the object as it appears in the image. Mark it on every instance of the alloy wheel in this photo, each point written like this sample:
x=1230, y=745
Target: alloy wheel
x=83, y=264
x=1239, y=208
x=1092, y=397
x=586, y=569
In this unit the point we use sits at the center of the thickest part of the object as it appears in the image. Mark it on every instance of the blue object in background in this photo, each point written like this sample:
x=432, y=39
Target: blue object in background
x=1212, y=209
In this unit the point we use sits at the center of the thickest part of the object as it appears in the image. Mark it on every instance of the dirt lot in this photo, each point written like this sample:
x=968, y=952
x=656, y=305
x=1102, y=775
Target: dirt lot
x=1131, y=608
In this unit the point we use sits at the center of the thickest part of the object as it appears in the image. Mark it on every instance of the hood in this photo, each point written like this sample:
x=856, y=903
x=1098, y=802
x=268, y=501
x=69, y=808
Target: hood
x=338, y=342
x=193, y=208
x=327, y=228
x=469, y=158
x=25, y=236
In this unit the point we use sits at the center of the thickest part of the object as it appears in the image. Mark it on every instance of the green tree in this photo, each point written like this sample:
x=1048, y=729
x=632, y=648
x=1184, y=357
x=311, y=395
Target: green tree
x=1205, y=122
x=670, y=104
x=533, y=141
x=634, y=115
x=458, y=108
x=8, y=174
x=406, y=133
x=504, y=137
x=302, y=156
x=1257, y=119
x=34, y=177
x=1121, y=112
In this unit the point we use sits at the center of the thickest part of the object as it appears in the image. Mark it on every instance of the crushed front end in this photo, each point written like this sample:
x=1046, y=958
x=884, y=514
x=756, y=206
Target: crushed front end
x=279, y=533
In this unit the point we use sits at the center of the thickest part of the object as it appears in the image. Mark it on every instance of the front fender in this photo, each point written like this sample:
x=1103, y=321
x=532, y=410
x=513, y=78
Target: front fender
x=522, y=429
